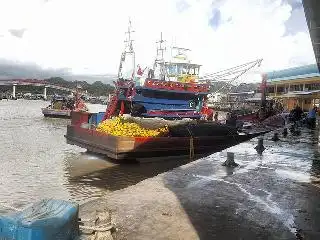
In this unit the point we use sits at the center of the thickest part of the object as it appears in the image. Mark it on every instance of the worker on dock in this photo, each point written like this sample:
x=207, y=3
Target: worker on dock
x=311, y=117
x=296, y=114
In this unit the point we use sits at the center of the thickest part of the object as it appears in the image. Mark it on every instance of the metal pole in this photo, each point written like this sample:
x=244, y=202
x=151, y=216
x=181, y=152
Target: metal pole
x=14, y=91
x=45, y=93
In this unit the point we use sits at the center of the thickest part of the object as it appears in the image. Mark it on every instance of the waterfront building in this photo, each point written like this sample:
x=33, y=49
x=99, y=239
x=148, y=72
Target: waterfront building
x=295, y=86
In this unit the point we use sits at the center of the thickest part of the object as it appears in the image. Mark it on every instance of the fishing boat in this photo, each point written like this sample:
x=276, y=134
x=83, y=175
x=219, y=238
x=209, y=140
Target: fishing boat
x=60, y=107
x=171, y=90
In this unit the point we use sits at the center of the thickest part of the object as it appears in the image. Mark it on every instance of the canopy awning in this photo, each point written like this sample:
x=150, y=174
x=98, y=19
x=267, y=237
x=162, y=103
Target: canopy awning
x=240, y=93
x=254, y=99
x=300, y=93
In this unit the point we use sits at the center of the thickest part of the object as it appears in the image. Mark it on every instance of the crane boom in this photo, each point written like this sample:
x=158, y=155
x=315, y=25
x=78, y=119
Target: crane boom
x=230, y=75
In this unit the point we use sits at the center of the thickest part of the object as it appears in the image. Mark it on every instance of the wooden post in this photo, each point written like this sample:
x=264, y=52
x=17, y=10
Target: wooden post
x=263, y=96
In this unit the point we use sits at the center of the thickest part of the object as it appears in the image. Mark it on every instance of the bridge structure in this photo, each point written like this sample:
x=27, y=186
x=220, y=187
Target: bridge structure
x=33, y=82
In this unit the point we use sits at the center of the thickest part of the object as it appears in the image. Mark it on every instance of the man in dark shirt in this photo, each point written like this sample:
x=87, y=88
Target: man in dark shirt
x=296, y=114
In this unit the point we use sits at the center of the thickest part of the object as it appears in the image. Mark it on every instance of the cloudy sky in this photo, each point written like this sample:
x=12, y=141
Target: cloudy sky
x=86, y=36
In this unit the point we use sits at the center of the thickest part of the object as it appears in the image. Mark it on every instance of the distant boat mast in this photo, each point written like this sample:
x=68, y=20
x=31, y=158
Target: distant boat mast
x=128, y=50
x=160, y=57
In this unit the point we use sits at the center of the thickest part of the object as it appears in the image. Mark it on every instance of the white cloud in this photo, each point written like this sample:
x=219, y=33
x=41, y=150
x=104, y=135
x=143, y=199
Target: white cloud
x=87, y=35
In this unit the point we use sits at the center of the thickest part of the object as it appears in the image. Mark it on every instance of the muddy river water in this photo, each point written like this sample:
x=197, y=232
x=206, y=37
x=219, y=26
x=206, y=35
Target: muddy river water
x=36, y=162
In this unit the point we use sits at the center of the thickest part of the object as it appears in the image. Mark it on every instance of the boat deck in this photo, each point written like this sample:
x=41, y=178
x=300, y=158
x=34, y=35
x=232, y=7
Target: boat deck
x=140, y=148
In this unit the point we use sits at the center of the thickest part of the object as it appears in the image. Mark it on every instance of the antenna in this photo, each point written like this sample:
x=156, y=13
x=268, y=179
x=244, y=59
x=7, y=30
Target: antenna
x=127, y=51
x=160, y=57
x=160, y=49
x=128, y=41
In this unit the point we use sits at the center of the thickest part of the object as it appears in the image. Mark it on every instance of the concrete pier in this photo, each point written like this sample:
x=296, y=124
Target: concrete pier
x=275, y=195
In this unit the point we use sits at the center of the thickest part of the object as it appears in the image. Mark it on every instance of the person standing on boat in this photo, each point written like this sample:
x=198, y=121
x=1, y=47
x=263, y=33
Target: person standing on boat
x=139, y=77
x=216, y=117
x=151, y=73
x=139, y=72
x=231, y=119
x=228, y=118
x=207, y=112
x=80, y=105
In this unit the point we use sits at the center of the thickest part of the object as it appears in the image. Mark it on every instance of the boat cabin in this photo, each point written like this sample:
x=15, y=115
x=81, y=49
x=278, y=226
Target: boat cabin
x=169, y=90
x=62, y=103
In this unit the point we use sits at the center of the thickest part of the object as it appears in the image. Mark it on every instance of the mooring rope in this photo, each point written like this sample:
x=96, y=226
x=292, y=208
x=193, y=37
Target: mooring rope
x=98, y=228
x=191, y=148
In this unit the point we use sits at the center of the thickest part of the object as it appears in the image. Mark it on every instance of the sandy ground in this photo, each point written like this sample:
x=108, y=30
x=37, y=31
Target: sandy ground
x=273, y=196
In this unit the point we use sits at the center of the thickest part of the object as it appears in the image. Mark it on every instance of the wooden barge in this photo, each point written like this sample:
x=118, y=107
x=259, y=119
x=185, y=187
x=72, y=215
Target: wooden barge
x=141, y=148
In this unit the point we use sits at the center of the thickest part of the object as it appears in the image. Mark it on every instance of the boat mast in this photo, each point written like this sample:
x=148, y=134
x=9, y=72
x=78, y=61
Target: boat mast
x=128, y=50
x=160, y=58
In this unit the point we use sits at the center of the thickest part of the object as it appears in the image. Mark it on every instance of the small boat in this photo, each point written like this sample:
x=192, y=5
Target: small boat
x=56, y=113
x=61, y=107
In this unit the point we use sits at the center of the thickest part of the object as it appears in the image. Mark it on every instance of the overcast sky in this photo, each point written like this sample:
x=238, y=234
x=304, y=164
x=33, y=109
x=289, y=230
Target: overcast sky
x=86, y=36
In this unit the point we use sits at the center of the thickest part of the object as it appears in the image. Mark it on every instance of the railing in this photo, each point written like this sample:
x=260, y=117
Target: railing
x=177, y=86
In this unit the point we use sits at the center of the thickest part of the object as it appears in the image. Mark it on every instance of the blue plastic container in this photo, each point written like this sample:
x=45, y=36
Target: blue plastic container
x=93, y=119
x=96, y=118
x=100, y=116
x=46, y=220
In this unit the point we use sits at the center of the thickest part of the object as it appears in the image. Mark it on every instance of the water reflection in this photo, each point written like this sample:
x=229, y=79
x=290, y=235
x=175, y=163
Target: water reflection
x=94, y=172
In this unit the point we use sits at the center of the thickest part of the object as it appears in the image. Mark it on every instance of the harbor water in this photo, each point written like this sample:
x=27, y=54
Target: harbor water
x=36, y=162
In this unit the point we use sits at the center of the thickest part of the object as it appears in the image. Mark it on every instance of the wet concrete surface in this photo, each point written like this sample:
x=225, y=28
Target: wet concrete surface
x=272, y=196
